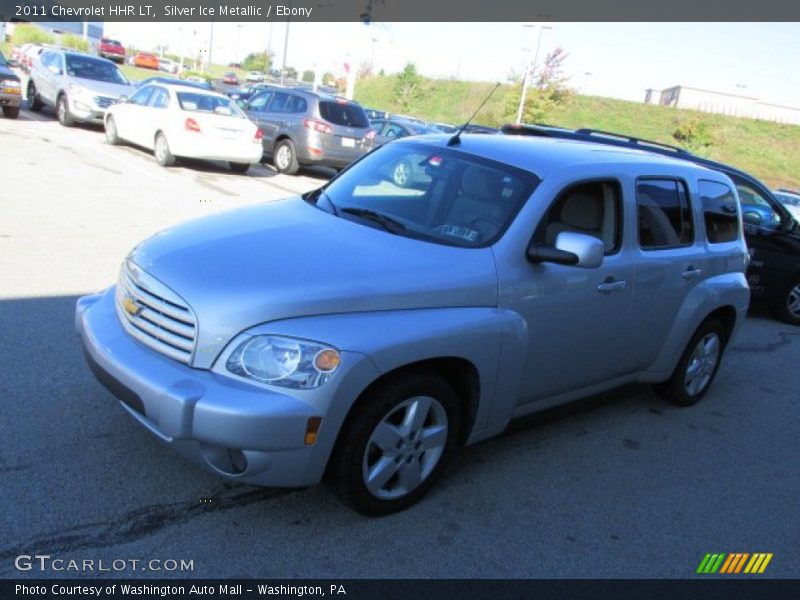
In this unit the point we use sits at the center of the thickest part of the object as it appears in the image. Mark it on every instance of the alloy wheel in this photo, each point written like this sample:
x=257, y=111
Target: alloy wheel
x=405, y=447
x=401, y=174
x=283, y=157
x=793, y=301
x=702, y=364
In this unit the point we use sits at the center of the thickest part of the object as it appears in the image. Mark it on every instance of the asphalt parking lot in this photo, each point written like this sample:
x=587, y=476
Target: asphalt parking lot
x=617, y=486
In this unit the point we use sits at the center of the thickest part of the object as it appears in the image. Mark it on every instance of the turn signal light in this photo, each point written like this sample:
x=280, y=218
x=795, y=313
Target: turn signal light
x=191, y=125
x=312, y=428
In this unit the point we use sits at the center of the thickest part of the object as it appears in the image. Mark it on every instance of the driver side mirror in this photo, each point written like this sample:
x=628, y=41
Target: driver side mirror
x=573, y=249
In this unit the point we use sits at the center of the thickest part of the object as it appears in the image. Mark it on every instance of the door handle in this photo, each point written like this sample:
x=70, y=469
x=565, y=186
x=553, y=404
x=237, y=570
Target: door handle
x=691, y=273
x=611, y=285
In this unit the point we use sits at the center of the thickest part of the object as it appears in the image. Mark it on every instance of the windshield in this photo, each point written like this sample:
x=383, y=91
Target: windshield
x=431, y=193
x=87, y=67
x=205, y=103
x=3, y=62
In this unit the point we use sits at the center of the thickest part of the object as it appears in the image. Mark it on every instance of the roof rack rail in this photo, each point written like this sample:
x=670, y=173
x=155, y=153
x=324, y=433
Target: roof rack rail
x=629, y=139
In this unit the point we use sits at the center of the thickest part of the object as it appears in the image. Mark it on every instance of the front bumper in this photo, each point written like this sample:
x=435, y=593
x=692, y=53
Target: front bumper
x=10, y=99
x=87, y=113
x=215, y=421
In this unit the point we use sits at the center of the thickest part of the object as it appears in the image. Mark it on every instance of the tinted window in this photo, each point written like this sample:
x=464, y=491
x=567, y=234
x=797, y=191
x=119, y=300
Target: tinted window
x=87, y=67
x=142, y=96
x=756, y=210
x=343, y=113
x=160, y=98
x=205, y=103
x=296, y=104
x=394, y=131
x=664, y=214
x=720, y=212
x=592, y=208
x=432, y=193
x=279, y=102
x=259, y=102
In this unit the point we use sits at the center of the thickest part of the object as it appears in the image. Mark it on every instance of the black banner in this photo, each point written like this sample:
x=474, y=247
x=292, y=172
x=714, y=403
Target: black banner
x=481, y=589
x=397, y=10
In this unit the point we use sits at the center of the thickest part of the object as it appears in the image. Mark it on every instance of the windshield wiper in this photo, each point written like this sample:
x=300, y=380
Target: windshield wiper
x=388, y=223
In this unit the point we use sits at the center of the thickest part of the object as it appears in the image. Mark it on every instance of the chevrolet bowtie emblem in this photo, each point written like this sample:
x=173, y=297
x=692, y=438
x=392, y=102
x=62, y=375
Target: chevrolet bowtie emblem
x=131, y=306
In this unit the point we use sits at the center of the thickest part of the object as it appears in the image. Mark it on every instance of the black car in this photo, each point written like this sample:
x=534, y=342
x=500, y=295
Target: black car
x=771, y=232
x=10, y=90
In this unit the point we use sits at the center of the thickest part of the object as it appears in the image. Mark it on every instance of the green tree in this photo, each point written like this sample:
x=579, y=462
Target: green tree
x=257, y=61
x=308, y=76
x=547, y=92
x=329, y=79
x=290, y=73
x=408, y=87
x=30, y=34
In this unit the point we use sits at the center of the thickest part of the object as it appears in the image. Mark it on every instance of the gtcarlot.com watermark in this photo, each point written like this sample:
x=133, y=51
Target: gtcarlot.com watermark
x=47, y=563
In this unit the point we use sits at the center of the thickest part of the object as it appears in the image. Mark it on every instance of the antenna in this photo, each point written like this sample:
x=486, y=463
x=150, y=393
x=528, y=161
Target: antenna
x=456, y=139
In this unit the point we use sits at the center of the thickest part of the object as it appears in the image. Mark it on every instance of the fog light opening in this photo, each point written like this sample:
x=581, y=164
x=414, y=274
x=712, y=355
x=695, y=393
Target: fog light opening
x=312, y=428
x=237, y=460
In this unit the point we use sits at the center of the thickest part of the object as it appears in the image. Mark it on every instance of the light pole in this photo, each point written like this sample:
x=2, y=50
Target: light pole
x=210, y=47
x=529, y=74
x=238, y=37
x=285, y=49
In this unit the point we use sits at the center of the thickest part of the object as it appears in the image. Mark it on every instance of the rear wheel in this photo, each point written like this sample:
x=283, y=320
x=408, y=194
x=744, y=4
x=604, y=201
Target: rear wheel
x=787, y=306
x=396, y=444
x=401, y=174
x=112, y=137
x=11, y=112
x=34, y=102
x=62, y=111
x=697, y=368
x=285, y=158
x=240, y=168
x=162, y=152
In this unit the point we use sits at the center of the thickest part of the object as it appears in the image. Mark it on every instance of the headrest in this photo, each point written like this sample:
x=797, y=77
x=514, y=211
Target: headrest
x=477, y=182
x=582, y=211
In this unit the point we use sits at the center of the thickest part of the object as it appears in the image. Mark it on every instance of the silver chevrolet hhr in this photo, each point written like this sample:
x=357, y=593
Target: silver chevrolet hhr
x=365, y=330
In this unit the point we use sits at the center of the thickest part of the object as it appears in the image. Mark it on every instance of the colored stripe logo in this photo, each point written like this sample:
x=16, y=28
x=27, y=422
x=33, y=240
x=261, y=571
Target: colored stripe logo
x=734, y=562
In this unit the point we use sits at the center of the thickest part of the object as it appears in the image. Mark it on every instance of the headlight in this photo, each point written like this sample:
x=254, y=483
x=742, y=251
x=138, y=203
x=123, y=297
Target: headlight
x=283, y=361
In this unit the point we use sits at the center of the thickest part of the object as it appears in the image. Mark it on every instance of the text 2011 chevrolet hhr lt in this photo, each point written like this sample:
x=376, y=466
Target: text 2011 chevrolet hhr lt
x=367, y=329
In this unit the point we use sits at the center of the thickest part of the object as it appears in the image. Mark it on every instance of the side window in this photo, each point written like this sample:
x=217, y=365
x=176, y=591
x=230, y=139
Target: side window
x=376, y=126
x=296, y=104
x=58, y=61
x=756, y=210
x=591, y=208
x=141, y=97
x=47, y=59
x=394, y=131
x=664, y=214
x=279, y=102
x=720, y=212
x=259, y=102
x=159, y=98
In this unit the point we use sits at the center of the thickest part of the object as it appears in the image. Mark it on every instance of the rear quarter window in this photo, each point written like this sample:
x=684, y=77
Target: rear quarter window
x=664, y=214
x=720, y=212
x=345, y=114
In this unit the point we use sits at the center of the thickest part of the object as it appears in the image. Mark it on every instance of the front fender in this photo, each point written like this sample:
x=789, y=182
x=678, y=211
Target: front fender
x=494, y=341
x=729, y=289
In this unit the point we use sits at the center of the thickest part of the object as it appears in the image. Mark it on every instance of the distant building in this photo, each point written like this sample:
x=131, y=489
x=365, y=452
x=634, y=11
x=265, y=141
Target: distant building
x=722, y=103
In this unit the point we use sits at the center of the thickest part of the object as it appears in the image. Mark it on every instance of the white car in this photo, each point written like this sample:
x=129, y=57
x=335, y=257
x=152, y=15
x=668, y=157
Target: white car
x=255, y=77
x=177, y=121
x=167, y=65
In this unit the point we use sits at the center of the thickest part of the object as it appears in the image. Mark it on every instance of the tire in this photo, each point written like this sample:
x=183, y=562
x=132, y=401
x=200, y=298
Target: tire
x=34, y=102
x=62, y=111
x=112, y=137
x=240, y=168
x=787, y=306
x=702, y=356
x=11, y=112
x=284, y=158
x=401, y=174
x=162, y=152
x=383, y=439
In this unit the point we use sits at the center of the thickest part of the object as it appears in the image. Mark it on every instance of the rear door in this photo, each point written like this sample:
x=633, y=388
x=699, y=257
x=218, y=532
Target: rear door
x=671, y=261
x=130, y=116
x=155, y=116
x=257, y=112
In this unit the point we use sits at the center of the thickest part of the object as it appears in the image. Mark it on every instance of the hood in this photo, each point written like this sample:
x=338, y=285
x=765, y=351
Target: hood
x=289, y=259
x=7, y=73
x=102, y=88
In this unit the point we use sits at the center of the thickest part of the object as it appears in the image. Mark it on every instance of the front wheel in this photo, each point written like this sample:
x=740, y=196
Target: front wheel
x=697, y=368
x=396, y=444
x=34, y=102
x=401, y=174
x=163, y=154
x=11, y=112
x=112, y=136
x=787, y=306
x=62, y=110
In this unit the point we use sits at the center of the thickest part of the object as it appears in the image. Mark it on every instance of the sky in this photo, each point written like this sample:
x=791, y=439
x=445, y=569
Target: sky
x=618, y=60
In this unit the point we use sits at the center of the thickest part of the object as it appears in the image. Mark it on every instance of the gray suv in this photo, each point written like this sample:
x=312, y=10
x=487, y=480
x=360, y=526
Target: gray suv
x=79, y=87
x=366, y=329
x=303, y=128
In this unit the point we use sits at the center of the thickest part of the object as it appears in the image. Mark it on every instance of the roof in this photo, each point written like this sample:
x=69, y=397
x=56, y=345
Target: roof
x=543, y=155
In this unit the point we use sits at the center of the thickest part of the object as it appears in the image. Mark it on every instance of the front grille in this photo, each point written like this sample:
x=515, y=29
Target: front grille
x=104, y=101
x=155, y=315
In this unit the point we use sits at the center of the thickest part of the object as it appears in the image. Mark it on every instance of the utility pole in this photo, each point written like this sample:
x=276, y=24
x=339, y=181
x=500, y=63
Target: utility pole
x=530, y=74
x=210, y=46
x=285, y=49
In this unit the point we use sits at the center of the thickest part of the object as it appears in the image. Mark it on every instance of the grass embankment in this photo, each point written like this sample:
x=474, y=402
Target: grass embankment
x=770, y=151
